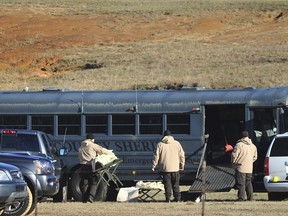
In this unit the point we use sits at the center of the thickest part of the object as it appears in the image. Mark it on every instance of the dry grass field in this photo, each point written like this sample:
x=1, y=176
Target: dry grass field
x=124, y=44
x=129, y=44
x=216, y=204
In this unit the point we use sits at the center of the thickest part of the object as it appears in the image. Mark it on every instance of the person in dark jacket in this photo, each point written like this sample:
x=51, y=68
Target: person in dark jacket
x=242, y=158
x=169, y=158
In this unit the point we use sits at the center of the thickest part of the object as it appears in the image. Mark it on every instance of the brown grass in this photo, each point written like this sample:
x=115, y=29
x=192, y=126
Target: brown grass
x=216, y=204
x=123, y=44
x=142, y=44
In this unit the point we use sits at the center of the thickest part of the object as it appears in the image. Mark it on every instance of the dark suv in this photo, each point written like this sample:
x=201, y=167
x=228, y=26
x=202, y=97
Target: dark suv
x=13, y=191
x=30, y=151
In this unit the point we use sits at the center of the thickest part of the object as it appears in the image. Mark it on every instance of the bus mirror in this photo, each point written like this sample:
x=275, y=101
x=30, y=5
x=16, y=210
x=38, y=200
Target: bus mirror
x=63, y=151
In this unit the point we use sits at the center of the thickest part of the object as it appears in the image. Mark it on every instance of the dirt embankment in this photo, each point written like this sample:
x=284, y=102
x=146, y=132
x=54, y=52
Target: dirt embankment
x=26, y=36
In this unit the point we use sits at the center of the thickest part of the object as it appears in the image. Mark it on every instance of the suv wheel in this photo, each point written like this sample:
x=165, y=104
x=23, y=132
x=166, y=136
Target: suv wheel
x=20, y=208
x=277, y=196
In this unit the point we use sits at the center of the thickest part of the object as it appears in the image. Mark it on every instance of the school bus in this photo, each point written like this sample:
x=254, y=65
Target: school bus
x=131, y=123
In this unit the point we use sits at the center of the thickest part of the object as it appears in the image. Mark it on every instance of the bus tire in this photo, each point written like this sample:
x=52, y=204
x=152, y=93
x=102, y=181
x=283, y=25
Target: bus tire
x=21, y=208
x=112, y=193
x=58, y=197
x=101, y=193
x=61, y=196
x=190, y=196
x=75, y=188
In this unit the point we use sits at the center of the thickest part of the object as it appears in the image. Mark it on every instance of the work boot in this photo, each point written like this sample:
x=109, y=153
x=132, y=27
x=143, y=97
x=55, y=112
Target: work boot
x=90, y=199
x=177, y=199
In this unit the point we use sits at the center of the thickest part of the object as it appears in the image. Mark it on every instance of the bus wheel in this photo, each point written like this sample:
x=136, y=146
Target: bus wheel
x=112, y=193
x=76, y=185
x=101, y=193
x=189, y=196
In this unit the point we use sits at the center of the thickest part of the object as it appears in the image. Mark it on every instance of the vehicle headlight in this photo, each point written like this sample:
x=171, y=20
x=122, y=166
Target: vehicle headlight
x=44, y=167
x=17, y=175
x=4, y=176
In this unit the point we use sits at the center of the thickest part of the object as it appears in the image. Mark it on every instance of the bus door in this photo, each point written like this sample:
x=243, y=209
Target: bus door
x=265, y=125
x=223, y=125
x=282, y=118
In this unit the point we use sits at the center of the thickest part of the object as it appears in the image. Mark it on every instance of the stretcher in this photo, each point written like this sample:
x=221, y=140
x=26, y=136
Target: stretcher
x=148, y=194
x=149, y=189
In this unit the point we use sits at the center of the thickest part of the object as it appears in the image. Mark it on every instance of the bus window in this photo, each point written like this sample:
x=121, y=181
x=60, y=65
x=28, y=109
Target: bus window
x=13, y=121
x=43, y=123
x=123, y=124
x=69, y=124
x=150, y=124
x=264, y=130
x=178, y=123
x=97, y=124
x=264, y=125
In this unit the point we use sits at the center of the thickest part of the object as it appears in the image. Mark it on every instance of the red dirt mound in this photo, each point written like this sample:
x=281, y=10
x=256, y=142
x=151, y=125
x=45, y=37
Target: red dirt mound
x=25, y=35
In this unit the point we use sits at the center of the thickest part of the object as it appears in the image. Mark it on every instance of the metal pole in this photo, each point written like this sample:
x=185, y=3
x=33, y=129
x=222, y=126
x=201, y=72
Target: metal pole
x=203, y=196
x=36, y=179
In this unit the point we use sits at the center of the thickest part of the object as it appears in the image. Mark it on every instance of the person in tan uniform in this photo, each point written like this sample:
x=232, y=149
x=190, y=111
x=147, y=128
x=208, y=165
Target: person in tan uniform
x=242, y=158
x=169, y=158
x=87, y=152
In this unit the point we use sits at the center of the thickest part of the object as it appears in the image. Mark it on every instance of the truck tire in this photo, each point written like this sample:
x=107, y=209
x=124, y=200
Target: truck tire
x=75, y=188
x=21, y=208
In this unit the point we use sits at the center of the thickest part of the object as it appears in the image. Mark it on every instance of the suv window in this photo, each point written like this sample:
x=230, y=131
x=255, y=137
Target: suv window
x=280, y=147
x=20, y=142
x=46, y=144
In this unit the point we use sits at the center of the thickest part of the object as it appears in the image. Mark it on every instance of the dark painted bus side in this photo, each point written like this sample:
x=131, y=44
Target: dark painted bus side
x=190, y=114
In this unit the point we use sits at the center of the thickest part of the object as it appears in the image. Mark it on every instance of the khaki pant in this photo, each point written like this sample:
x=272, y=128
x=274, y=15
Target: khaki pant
x=89, y=182
x=244, y=185
x=171, y=184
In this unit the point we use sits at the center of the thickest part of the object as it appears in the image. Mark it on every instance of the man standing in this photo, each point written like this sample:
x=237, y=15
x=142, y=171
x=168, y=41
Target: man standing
x=169, y=158
x=86, y=153
x=243, y=157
